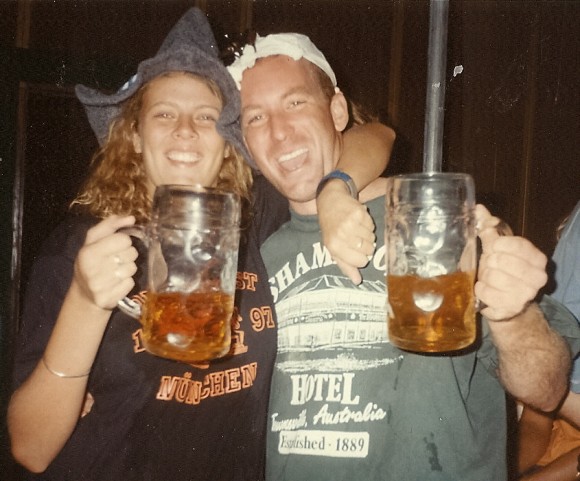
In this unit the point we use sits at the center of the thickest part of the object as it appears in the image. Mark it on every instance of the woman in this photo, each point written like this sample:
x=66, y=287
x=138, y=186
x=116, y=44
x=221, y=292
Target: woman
x=89, y=402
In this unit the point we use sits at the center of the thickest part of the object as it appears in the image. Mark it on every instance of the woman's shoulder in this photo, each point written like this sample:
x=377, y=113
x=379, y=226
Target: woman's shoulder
x=264, y=193
x=270, y=208
x=68, y=235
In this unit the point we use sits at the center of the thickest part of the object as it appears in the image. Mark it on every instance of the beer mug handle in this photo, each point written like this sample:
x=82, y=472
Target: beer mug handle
x=503, y=229
x=129, y=306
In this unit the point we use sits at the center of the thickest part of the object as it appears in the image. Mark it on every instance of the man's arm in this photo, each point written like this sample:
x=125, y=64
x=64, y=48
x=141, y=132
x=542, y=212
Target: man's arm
x=534, y=361
x=347, y=228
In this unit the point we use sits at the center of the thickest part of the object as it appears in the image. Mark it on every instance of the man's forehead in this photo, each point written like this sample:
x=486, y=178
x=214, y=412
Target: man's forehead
x=266, y=85
x=281, y=67
x=276, y=61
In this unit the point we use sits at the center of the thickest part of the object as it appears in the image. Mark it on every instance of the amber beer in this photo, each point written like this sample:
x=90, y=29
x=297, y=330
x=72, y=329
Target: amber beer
x=188, y=327
x=434, y=314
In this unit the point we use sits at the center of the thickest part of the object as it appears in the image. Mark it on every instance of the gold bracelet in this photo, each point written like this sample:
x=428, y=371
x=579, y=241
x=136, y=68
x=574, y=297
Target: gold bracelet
x=62, y=374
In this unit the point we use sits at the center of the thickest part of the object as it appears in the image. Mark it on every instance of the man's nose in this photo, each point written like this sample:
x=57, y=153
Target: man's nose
x=280, y=126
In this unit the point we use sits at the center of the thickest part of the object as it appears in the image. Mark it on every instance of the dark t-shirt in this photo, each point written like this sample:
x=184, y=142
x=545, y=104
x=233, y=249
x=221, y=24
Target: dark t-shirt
x=155, y=419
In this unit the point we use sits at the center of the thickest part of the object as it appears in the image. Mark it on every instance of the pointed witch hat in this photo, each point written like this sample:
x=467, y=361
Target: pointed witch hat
x=191, y=47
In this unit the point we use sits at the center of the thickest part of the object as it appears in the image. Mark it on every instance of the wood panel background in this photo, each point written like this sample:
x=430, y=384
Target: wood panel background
x=512, y=114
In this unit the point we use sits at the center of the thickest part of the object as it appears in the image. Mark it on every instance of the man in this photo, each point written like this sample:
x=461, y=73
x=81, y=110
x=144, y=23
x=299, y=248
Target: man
x=345, y=404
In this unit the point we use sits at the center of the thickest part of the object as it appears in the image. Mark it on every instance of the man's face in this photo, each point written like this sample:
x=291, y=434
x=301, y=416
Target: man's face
x=292, y=130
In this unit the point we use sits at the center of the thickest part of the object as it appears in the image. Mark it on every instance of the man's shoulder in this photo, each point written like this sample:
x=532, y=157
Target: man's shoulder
x=275, y=238
x=68, y=235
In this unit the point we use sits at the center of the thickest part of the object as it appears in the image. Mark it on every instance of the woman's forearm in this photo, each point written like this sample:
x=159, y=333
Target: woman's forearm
x=45, y=409
x=366, y=152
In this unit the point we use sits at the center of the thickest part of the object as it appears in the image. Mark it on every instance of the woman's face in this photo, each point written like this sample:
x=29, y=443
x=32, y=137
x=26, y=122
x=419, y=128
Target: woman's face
x=176, y=132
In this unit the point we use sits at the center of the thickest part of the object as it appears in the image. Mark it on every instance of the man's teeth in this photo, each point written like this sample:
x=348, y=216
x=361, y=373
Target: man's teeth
x=292, y=155
x=183, y=157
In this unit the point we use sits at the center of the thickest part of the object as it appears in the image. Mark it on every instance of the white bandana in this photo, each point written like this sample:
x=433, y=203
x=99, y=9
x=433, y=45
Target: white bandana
x=294, y=45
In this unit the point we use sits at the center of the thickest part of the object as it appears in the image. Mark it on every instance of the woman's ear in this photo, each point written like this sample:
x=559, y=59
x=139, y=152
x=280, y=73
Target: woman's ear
x=339, y=110
x=136, y=138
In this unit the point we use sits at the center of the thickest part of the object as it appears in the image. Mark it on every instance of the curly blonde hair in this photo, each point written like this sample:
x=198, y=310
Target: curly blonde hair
x=117, y=183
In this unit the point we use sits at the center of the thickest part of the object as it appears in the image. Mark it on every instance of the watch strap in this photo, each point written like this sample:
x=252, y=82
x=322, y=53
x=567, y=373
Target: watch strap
x=338, y=174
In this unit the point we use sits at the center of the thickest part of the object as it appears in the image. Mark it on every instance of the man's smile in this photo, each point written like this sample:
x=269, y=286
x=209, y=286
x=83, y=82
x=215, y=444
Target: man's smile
x=292, y=161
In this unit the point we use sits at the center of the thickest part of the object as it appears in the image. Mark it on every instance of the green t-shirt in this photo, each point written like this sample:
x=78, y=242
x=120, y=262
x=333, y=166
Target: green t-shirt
x=345, y=404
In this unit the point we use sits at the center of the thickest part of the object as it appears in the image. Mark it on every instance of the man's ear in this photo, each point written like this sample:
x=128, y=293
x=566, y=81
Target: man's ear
x=339, y=111
x=136, y=138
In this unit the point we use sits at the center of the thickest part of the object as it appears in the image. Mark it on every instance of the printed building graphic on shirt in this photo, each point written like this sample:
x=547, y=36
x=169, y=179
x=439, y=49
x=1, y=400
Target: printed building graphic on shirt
x=326, y=313
x=332, y=339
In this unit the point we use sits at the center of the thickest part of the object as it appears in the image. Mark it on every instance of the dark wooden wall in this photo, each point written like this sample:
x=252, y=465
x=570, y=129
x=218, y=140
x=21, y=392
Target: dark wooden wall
x=512, y=114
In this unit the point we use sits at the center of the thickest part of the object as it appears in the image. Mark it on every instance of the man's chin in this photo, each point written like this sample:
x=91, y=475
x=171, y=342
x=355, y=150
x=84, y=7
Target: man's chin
x=304, y=203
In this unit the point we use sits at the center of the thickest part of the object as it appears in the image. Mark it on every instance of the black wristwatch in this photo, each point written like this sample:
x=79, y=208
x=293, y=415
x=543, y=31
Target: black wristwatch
x=338, y=174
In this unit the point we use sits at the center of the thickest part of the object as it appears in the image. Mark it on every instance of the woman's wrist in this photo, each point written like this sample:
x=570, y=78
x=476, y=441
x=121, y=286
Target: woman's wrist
x=61, y=374
x=78, y=300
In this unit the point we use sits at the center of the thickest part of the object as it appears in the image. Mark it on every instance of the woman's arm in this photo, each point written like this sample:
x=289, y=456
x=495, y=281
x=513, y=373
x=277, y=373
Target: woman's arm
x=45, y=409
x=366, y=153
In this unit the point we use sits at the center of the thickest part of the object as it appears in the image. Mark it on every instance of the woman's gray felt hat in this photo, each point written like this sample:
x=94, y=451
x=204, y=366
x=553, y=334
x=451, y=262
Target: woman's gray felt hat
x=191, y=47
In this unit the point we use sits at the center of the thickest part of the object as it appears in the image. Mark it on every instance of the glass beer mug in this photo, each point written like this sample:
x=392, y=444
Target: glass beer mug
x=430, y=234
x=192, y=259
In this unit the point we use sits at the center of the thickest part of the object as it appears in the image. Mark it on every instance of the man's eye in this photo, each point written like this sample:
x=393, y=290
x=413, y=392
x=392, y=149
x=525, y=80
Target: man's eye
x=163, y=115
x=296, y=103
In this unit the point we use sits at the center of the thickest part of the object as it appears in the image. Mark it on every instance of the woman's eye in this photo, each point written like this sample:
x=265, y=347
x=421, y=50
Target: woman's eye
x=254, y=119
x=163, y=115
x=207, y=118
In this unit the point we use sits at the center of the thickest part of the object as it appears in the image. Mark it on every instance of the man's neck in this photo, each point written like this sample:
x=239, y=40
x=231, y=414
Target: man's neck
x=304, y=208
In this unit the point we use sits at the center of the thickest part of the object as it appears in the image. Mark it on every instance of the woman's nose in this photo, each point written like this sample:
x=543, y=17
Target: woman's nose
x=185, y=128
